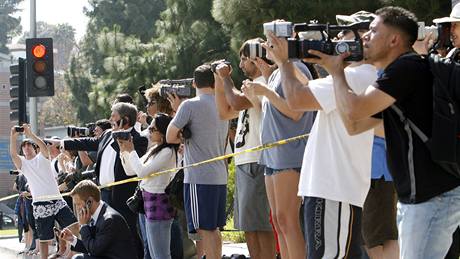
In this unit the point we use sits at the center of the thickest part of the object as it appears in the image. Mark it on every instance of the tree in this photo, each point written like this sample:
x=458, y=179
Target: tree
x=10, y=26
x=133, y=17
x=63, y=35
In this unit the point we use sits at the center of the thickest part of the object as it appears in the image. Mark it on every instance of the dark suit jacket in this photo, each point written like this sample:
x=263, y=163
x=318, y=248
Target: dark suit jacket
x=120, y=193
x=109, y=238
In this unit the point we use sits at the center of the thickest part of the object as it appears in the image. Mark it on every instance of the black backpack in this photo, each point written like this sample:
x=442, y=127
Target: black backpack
x=444, y=144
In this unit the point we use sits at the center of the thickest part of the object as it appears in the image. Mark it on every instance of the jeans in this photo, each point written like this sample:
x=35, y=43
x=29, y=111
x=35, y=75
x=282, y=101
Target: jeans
x=159, y=238
x=144, y=235
x=425, y=229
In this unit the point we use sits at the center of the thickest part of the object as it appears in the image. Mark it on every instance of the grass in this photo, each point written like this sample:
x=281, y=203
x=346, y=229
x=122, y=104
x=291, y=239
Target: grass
x=8, y=232
x=232, y=236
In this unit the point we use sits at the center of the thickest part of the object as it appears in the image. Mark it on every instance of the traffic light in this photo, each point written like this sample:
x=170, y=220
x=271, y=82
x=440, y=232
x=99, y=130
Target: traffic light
x=18, y=92
x=40, y=70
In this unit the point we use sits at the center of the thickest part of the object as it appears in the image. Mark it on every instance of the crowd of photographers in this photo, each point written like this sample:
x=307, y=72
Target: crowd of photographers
x=364, y=182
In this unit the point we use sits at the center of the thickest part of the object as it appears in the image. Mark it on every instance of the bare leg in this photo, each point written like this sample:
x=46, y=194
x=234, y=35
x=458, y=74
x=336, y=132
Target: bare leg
x=270, y=187
x=212, y=243
x=266, y=241
x=199, y=249
x=287, y=212
x=389, y=250
x=44, y=249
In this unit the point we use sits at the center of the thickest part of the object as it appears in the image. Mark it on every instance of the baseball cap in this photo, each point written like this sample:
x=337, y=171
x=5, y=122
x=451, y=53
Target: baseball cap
x=454, y=16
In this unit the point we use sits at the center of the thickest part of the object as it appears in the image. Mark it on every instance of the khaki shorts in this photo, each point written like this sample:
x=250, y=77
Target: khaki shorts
x=379, y=214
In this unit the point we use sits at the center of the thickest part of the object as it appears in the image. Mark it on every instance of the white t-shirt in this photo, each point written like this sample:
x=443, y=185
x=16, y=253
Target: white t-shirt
x=337, y=166
x=248, y=132
x=40, y=178
x=106, y=172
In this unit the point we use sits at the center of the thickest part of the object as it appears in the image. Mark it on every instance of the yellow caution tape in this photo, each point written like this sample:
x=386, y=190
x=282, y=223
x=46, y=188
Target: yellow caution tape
x=172, y=170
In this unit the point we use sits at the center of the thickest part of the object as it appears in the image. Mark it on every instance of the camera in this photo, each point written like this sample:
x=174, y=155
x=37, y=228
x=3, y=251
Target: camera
x=424, y=31
x=181, y=87
x=218, y=62
x=14, y=172
x=121, y=134
x=254, y=50
x=279, y=28
x=19, y=128
x=73, y=131
x=298, y=47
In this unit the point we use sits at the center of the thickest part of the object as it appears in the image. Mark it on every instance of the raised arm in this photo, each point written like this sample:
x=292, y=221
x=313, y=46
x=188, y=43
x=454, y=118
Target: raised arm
x=43, y=148
x=295, y=83
x=13, y=149
x=273, y=97
x=225, y=111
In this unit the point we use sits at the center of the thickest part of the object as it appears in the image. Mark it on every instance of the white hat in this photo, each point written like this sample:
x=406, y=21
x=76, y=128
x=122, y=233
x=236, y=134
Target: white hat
x=454, y=16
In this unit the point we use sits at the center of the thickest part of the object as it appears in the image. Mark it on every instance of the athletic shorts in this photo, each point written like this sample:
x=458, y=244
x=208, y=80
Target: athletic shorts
x=379, y=214
x=332, y=229
x=46, y=212
x=204, y=206
x=251, y=209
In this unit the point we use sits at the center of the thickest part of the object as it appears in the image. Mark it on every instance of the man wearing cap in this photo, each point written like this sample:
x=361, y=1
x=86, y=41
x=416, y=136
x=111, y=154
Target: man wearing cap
x=48, y=205
x=335, y=175
x=429, y=197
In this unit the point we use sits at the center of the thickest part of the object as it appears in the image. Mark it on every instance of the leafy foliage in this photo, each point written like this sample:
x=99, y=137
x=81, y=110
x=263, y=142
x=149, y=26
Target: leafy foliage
x=63, y=41
x=10, y=26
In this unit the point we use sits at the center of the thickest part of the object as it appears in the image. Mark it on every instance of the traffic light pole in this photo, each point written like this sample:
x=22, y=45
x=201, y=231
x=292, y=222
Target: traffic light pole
x=33, y=100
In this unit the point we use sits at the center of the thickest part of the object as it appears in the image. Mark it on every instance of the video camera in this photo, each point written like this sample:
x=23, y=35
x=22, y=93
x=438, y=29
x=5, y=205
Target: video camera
x=281, y=29
x=440, y=34
x=87, y=131
x=298, y=47
x=121, y=134
x=181, y=87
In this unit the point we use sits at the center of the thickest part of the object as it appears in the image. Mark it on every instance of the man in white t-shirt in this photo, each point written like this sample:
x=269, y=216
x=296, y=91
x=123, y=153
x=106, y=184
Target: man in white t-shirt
x=48, y=205
x=335, y=175
x=251, y=209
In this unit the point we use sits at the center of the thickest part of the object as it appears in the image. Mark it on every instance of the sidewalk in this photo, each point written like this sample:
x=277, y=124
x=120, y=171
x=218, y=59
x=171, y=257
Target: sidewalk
x=10, y=247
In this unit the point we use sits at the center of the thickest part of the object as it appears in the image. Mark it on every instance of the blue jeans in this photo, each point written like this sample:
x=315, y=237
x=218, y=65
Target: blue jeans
x=159, y=238
x=144, y=235
x=425, y=229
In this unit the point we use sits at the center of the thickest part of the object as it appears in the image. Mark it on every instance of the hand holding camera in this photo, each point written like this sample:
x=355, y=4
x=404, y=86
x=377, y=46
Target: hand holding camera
x=223, y=70
x=332, y=64
x=125, y=145
x=252, y=88
x=278, y=50
x=174, y=100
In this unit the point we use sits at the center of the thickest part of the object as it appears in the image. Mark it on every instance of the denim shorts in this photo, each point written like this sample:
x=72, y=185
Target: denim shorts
x=270, y=171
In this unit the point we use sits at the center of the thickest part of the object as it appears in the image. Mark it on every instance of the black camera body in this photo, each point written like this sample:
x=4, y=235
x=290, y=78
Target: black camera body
x=19, y=129
x=73, y=131
x=298, y=48
x=121, y=134
x=14, y=172
x=181, y=87
x=216, y=63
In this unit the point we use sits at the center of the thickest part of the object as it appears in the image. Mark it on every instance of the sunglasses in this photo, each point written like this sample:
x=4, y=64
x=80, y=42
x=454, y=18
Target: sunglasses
x=152, y=129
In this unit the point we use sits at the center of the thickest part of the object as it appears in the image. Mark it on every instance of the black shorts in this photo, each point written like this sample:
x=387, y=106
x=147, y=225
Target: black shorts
x=46, y=212
x=379, y=214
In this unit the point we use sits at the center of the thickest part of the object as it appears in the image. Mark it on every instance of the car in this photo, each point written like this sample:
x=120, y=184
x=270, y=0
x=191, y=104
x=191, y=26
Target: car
x=8, y=222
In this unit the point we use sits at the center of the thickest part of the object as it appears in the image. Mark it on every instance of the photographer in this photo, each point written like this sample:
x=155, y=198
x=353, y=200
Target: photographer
x=108, y=166
x=283, y=162
x=205, y=186
x=159, y=213
x=251, y=209
x=328, y=180
x=427, y=213
x=48, y=205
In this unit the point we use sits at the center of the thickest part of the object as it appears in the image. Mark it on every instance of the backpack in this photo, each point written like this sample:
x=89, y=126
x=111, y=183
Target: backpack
x=444, y=144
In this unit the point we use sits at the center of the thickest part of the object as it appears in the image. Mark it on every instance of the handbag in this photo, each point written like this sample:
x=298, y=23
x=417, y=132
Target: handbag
x=175, y=190
x=136, y=203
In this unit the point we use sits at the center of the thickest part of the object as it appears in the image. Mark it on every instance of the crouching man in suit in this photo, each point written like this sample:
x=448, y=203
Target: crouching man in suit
x=104, y=232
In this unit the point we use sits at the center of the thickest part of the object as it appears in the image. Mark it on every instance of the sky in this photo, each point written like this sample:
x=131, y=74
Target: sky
x=55, y=12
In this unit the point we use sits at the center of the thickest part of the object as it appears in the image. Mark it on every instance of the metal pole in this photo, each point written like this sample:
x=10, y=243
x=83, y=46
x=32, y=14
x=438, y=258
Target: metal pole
x=33, y=100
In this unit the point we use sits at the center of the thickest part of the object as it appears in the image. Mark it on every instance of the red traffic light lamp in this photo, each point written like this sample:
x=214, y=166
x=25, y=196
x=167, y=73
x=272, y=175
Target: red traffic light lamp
x=40, y=70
